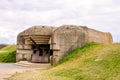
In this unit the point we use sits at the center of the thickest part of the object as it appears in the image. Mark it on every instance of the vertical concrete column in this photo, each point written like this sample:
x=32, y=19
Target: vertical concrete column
x=55, y=55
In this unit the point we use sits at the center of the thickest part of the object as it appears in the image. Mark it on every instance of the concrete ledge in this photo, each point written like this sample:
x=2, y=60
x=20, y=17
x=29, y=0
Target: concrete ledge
x=33, y=65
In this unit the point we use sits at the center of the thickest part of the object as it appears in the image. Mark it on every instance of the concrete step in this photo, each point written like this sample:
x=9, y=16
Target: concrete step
x=33, y=65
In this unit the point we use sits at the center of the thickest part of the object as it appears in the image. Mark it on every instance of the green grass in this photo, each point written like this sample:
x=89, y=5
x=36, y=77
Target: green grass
x=9, y=48
x=91, y=62
x=8, y=54
x=2, y=45
x=76, y=52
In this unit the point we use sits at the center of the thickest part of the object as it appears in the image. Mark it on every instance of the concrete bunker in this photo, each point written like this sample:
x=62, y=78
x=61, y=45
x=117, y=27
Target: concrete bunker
x=47, y=44
x=33, y=44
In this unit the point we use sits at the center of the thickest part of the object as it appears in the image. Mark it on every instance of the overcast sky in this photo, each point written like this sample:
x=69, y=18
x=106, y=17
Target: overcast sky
x=18, y=15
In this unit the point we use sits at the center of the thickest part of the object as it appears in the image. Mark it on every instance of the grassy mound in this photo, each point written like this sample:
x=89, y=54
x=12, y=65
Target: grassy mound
x=91, y=62
x=77, y=52
x=8, y=54
x=2, y=45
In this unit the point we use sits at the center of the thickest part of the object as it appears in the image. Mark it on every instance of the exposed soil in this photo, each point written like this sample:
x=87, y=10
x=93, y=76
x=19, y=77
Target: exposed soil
x=8, y=69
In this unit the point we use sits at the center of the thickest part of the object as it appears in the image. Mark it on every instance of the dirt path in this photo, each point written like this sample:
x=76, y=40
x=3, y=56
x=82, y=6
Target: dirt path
x=8, y=69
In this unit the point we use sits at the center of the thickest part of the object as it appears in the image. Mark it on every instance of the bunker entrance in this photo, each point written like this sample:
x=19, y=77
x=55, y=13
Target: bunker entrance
x=41, y=53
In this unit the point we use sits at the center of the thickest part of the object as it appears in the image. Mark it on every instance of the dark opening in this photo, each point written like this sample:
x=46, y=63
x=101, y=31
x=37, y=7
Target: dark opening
x=51, y=52
x=34, y=51
x=41, y=53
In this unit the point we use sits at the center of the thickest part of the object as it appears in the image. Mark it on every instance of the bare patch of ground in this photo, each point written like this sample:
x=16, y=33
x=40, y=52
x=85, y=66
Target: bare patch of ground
x=8, y=69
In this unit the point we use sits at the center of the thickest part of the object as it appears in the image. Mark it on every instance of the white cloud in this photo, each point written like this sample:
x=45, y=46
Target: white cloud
x=17, y=15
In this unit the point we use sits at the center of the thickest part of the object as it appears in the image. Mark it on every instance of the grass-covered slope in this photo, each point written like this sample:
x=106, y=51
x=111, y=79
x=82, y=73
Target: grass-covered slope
x=91, y=62
x=7, y=54
x=2, y=45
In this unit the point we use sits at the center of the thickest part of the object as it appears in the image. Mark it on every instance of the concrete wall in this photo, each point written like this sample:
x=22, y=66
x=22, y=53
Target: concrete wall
x=67, y=38
x=98, y=36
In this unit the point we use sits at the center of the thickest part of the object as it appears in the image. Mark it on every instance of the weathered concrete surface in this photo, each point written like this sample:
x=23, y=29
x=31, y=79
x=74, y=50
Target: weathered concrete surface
x=8, y=69
x=62, y=40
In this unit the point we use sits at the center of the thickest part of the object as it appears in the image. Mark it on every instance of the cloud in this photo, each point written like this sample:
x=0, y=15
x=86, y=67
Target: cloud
x=18, y=15
x=28, y=5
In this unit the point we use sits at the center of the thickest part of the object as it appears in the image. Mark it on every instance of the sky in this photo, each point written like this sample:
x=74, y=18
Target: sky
x=18, y=15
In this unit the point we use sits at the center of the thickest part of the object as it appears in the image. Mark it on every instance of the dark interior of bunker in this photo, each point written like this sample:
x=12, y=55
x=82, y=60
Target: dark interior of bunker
x=41, y=53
